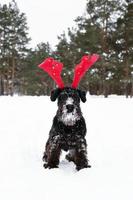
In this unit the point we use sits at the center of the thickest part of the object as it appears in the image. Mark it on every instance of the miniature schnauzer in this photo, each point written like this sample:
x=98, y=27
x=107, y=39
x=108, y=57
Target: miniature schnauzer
x=68, y=130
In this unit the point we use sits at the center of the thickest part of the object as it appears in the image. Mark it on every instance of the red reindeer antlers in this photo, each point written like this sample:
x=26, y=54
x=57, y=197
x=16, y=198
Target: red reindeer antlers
x=82, y=67
x=54, y=68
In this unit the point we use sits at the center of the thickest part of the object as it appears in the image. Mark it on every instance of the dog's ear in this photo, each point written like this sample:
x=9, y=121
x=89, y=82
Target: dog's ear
x=54, y=94
x=82, y=95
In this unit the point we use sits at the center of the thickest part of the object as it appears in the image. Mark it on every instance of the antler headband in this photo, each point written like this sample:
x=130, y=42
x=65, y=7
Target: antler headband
x=54, y=68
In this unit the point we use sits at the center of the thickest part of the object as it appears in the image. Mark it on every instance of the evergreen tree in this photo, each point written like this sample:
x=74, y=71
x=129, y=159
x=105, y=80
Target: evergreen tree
x=33, y=80
x=124, y=47
x=13, y=45
x=65, y=55
x=96, y=33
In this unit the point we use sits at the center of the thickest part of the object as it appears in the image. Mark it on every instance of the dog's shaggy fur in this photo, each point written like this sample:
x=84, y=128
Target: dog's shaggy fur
x=68, y=130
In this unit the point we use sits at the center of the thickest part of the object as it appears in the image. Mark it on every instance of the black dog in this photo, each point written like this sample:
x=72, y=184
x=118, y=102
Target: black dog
x=68, y=130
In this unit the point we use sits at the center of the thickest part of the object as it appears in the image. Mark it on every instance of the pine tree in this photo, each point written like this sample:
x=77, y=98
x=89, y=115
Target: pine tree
x=124, y=47
x=95, y=33
x=33, y=80
x=13, y=48
x=64, y=54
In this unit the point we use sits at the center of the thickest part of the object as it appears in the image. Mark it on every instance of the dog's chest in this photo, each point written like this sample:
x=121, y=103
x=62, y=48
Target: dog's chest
x=70, y=135
x=69, y=119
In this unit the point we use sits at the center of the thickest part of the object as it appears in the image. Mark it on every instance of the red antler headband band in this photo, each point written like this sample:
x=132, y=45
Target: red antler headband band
x=82, y=67
x=54, y=68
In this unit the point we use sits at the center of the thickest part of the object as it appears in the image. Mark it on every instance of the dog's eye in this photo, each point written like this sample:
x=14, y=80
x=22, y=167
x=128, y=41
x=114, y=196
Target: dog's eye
x=76, y=98
x=63, y=97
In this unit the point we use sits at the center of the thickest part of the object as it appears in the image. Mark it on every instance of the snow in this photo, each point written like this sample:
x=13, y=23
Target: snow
x=25, y=123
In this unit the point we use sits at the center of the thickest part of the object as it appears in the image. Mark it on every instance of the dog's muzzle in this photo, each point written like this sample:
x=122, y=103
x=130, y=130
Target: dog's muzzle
x=70, y=108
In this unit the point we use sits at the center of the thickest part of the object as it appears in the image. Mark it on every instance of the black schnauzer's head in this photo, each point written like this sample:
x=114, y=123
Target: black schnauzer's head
x=69, y=104
x=68, y=92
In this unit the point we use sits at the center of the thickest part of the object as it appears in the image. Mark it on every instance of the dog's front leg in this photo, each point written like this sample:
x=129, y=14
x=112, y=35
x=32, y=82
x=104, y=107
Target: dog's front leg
x=52, y=152
x=80, y=159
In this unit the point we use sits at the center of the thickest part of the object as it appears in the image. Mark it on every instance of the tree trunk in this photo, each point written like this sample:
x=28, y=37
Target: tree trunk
x=1, y=85
x=13, y=75
x=131, y=95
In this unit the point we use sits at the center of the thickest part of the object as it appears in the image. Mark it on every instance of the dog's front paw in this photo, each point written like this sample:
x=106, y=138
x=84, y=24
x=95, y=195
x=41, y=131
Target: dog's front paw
x=49, y=166
x=79, y=167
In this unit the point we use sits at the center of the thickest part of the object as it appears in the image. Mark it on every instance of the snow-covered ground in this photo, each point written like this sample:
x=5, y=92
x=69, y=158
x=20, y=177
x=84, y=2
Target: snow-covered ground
x=24, y=127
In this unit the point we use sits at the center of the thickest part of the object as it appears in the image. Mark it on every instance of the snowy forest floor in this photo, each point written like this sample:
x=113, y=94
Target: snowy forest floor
x=24, y=126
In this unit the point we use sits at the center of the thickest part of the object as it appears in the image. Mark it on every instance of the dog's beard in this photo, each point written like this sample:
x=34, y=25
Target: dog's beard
x=69, y=118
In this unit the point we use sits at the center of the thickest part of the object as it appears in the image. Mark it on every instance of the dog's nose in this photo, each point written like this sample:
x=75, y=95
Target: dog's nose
x=70, y=107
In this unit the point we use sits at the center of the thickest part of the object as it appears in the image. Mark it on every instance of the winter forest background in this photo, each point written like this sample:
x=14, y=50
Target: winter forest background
x=106, y=29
